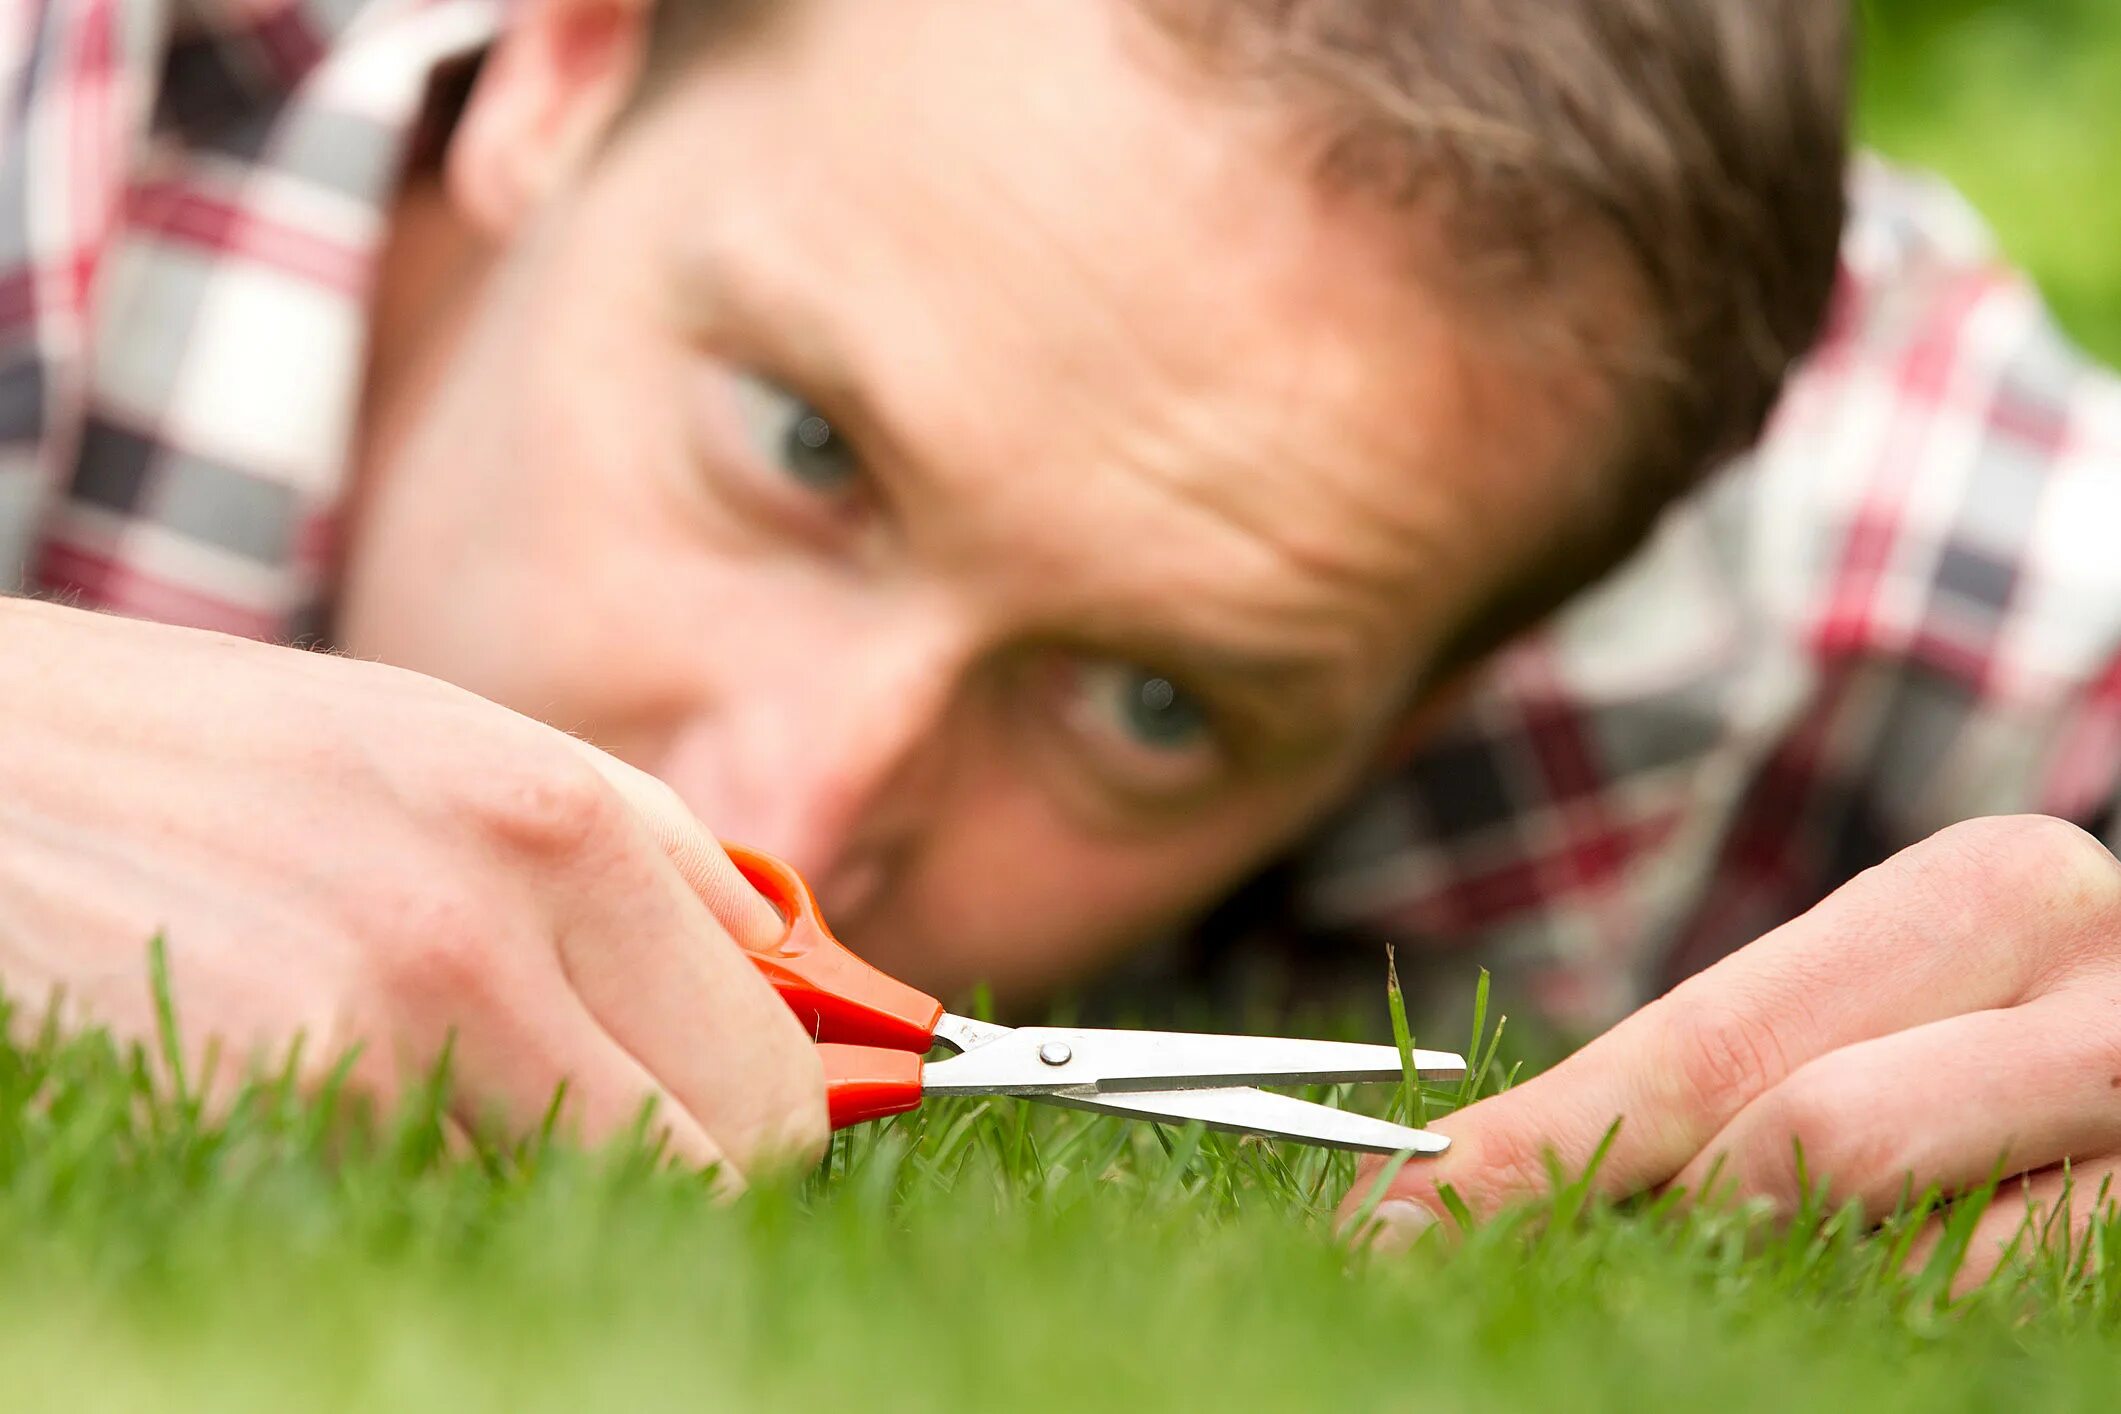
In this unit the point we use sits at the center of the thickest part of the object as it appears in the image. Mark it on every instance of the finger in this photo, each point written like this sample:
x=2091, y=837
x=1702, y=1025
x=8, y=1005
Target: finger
x=2029, y=1220
x=1943, y=1104
x=669, y=983
x=699, y=858
x=1979, y=916
x=511, y=1061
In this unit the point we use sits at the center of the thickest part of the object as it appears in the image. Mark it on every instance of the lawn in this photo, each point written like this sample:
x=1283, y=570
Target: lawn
x=1000, y=1255
x=993, y=1254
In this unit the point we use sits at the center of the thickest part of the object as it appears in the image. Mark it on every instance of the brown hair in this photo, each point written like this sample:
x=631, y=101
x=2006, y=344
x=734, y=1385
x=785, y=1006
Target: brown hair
x=1695, y=149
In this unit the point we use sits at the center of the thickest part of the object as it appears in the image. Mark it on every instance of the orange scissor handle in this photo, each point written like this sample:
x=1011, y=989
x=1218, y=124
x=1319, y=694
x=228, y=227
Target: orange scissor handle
x=836, y=995
x=868, y=1082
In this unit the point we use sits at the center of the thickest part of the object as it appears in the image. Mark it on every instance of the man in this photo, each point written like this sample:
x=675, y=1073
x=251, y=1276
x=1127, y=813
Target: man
x=1024, y=463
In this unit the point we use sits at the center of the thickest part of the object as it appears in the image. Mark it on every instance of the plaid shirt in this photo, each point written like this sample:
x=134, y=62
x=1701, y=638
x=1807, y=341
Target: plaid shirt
x=1904, y=609
x=193, y=200
x=1901, y=610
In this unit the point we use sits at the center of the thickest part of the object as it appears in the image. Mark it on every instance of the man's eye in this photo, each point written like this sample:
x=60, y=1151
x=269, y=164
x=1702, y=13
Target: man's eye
x=789, y=434
x=1144, y=726
x=1155, y=712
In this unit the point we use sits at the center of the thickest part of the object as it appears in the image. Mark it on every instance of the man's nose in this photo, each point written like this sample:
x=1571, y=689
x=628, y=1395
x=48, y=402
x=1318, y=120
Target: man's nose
x=828, y=756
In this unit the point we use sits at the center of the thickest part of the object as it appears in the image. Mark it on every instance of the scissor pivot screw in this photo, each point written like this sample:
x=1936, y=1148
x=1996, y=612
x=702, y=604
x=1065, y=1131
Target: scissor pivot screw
x=1055, y=1053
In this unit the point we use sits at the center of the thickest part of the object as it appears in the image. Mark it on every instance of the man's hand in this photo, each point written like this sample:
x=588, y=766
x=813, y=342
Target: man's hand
x=1956, y=1007
x=357, y=854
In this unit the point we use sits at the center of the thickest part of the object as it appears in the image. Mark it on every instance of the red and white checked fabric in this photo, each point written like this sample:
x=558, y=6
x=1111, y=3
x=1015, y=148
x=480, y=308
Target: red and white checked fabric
x=1903, y=610
x=193, y=197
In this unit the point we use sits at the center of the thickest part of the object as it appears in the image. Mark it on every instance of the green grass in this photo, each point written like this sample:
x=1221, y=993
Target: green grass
x=291, y=1254
x=294, y=1253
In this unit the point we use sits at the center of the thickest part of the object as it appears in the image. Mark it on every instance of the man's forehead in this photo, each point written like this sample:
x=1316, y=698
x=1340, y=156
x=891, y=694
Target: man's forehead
x=1131, y=322
x=1092, y=444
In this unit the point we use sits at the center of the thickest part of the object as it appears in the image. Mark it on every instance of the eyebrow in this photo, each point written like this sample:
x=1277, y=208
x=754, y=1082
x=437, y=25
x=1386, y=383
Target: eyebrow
x=1291, y=700
x=792, y=343
x=1295, y=700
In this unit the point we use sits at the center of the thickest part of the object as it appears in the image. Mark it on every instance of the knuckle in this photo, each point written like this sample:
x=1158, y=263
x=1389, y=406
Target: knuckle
x=1719, y=1058
x=807, y=1124
x=2042, y=894
x=436, y=953
x=2012, y=902
x=1808, y=1120
x=553, y=809
x=798, y=1082
x=1503, y=1164
x=785, y=1122
x=2030, y=858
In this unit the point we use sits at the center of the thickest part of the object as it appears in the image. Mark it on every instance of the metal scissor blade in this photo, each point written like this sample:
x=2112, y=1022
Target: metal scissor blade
x=1039, y=1060
x=1240, y=1110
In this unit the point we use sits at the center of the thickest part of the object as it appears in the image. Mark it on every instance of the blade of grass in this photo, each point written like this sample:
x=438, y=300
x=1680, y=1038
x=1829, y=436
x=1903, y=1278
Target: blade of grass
x=166, y=1017
x=1412, y=1106
x=1469, y=1087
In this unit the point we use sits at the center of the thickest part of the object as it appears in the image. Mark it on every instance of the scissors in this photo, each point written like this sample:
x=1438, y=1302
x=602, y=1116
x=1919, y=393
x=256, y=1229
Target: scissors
x=874, y=1032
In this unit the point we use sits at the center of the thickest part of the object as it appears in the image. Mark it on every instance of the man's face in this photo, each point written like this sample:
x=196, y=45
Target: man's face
x=962, y=452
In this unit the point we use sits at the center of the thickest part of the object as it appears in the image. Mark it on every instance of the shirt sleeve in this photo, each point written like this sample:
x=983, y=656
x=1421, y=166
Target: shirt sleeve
x=79, y=80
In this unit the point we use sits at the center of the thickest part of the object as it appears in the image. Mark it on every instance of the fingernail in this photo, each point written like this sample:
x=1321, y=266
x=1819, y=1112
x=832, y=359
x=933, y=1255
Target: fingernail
x=1397, y=1225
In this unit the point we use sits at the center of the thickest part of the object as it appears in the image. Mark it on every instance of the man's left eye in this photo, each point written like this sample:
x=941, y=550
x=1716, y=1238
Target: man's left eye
x=1138, y=727
x=1153, y=711
x=791, y=435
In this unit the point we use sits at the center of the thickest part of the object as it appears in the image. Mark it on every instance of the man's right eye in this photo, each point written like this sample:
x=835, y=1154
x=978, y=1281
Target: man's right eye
x=791, y=436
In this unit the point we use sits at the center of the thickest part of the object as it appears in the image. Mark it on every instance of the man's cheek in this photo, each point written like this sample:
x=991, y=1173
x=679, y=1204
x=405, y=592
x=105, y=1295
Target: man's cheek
x=990, y=907
x=1061, y=910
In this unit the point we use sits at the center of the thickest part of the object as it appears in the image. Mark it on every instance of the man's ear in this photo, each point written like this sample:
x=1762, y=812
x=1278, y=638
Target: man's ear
x=550, y=87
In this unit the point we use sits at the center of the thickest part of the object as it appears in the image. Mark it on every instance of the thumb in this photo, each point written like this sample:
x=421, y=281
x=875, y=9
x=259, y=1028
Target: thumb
x=1500, y=1152
x=692, y=849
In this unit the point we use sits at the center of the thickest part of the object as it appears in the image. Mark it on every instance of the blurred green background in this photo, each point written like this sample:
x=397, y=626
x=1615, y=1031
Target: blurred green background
x=2018, y=102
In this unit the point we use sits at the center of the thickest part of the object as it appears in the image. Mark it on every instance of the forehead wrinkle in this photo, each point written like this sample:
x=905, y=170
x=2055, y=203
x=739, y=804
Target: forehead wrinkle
x=1352, y=418
x=1132, y=322
x=952, y=280
x=1104, y=347
x=1178, y=574
x=762, y=295
x=1040, y=546
x=1328, y=599
x=1362, y=524
x=1212, y=164
x=1175, y=421
x=1187, y=417
x=1145, y=414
